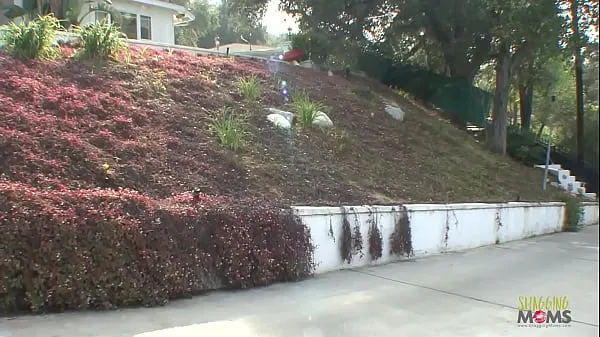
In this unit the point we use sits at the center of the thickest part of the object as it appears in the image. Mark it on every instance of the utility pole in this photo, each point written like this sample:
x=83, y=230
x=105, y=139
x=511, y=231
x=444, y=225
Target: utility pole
x=578, y=77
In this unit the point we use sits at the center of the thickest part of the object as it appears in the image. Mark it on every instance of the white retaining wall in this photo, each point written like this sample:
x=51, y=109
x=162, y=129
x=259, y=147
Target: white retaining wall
x=434, y=228
x=590, y=214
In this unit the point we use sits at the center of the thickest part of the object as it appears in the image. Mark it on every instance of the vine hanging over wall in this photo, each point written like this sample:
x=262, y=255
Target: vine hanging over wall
x=346, y=240
x=352, y=241
x=375, y=238
x=330, y=233
x=401, y=240
x=357, y=240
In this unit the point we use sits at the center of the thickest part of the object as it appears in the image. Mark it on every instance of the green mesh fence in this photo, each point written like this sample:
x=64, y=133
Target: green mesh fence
x=468, y=103
x=465, y=102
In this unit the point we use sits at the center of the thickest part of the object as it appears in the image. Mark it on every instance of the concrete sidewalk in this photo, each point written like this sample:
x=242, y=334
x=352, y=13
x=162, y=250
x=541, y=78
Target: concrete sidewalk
x=473, y=293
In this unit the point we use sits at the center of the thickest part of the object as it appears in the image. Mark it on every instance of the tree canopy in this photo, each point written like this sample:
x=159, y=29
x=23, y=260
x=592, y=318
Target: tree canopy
x=225, y=20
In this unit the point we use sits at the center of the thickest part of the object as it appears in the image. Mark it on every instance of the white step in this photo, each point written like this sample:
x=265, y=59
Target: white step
x=563, y=174
x=567, y=182
x=572, y=187
x=553, y=167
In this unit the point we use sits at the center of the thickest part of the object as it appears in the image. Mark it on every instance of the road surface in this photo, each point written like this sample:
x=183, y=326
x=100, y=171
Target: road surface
x=473, y=293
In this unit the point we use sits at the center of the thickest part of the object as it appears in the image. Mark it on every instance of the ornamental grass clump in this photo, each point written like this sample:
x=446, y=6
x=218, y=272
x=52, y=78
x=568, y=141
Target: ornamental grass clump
x=32, y=40
x=101, y=41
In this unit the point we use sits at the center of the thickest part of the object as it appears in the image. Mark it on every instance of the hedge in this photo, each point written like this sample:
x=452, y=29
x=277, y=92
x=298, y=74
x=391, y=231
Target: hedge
x=103, y=249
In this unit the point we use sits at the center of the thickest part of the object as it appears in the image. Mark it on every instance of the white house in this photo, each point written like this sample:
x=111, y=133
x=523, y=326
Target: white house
x=153, y=20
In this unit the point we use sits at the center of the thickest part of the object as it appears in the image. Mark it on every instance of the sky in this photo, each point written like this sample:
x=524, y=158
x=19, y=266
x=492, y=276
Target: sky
x=276, y=21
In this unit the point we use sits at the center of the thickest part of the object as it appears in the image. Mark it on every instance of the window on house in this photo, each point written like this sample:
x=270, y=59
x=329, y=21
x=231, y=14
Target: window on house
x=134, y=26
x=129, y=25
x=145, y=27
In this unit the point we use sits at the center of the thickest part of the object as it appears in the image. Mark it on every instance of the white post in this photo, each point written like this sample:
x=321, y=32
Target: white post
x=547, y=162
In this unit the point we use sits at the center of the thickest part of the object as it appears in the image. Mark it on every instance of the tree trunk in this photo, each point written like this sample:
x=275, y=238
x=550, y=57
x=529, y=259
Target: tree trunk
x=539, y=134
x=497, y=141
x=525, y=105
x=578, y=79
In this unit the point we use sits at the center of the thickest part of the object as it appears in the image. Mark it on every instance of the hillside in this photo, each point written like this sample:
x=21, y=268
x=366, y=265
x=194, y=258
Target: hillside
x=149, y=118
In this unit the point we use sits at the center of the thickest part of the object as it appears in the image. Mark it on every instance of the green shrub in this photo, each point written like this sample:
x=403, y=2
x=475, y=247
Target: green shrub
x=317, y=45
x=306, y=110
x=249, y=88
x=230, y=129
x=100, y=40
x=104, y=249
x=574, y=213
x=522, y=146
x=33, y=40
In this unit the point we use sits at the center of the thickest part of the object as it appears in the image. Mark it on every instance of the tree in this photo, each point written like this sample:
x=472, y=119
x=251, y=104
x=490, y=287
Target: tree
x=577, y=42
x=459, y=29
x=236, y=21
x=582, y=17
x=533, y=72
x=556, y=80
x=526, y=98
x=196, y=32
x=520, y=28
x=591, y=74
x=223, y=20
x=247, y=12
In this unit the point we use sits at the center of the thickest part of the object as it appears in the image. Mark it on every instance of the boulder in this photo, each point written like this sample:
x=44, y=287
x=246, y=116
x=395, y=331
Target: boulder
x=321, y=119
x=279, y=121
x=308, y=64
x=285, y=114
x=395, y=112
